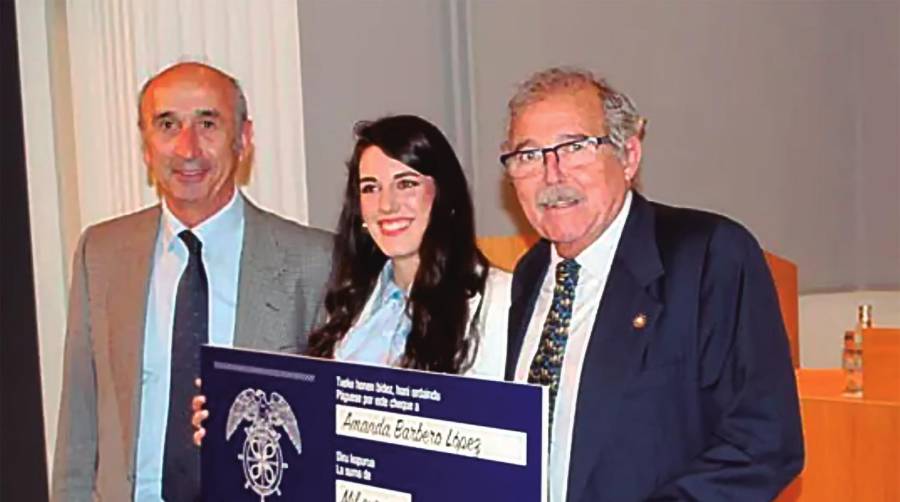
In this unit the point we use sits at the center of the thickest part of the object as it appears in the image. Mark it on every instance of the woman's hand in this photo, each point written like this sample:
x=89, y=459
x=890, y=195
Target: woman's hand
x=200, y=414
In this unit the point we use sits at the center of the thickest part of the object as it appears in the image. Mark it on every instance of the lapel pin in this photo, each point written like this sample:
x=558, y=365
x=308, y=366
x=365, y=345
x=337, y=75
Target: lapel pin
x=639, y=321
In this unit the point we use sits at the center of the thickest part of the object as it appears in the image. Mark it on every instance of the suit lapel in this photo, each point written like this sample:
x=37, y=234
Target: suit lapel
x=126, y=308
x=263, y=300
x=617, y=348
x=526, y=287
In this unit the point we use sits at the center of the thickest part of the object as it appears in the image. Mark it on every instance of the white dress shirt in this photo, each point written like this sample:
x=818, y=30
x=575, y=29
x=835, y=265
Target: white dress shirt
x=222, y=236
x=596, y=262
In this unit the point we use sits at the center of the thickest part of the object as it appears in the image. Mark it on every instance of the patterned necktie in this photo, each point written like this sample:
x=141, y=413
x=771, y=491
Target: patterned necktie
x=546, y=366
x=190, y=329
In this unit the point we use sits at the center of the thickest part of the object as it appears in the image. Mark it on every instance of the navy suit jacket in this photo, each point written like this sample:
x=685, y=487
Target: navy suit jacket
x=700, y=403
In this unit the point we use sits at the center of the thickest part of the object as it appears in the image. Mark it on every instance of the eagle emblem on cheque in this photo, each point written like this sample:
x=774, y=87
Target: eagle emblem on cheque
x=261, y=456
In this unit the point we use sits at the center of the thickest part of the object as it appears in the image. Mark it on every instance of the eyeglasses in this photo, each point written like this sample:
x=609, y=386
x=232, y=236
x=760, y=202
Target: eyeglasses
x=530, y=161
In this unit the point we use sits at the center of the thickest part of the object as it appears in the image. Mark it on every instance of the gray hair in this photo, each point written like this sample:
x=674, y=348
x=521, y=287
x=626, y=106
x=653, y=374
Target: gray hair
x=619, y=111
x=240, y=100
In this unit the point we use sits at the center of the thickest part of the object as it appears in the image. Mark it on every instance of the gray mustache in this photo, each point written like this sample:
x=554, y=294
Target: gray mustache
x=556, y=194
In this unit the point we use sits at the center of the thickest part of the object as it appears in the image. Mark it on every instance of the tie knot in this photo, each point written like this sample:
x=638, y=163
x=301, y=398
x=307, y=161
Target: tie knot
x=191, y=241
x=567, y=271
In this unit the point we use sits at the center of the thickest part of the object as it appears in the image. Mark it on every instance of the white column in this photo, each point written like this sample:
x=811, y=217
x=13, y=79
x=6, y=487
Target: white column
x=48, y=248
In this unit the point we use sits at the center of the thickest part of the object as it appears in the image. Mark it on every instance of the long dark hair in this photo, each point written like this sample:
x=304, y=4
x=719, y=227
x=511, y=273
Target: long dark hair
x=451, y=268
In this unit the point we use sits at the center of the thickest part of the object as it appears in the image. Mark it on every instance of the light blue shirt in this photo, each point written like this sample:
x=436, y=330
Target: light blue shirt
x=222, y=236
x=379, y=335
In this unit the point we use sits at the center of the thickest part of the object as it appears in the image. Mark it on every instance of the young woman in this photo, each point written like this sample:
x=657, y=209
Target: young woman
x=409, y=287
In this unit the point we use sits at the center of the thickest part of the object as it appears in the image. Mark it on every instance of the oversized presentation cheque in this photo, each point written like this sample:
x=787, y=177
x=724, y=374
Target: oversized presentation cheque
x=294, y=428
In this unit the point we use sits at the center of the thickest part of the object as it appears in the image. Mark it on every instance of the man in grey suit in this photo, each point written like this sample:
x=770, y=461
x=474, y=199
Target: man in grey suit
x=205, y=265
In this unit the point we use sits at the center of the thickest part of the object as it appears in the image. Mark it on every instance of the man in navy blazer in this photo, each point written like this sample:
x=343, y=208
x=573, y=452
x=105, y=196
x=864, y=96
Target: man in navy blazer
x=659, y=334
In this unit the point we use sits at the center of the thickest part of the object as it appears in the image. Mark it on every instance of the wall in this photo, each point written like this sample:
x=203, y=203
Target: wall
x=783, y=115
x=364, y=60
x=825, y=316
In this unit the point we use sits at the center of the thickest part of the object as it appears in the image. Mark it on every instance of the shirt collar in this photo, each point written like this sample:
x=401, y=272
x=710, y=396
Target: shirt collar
x=211, y=231
x=388, y=288
x=591, y=258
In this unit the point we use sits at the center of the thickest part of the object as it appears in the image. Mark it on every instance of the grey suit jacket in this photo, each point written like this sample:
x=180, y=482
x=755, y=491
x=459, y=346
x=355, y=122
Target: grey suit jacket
x=283, y=271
